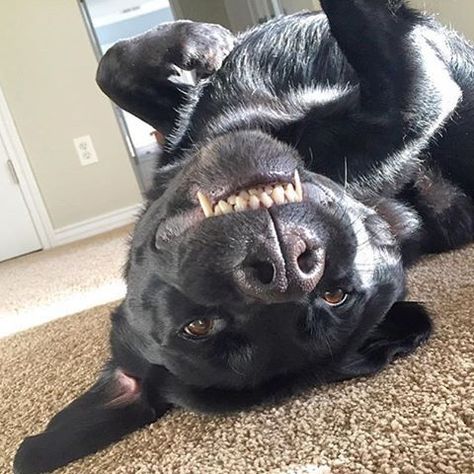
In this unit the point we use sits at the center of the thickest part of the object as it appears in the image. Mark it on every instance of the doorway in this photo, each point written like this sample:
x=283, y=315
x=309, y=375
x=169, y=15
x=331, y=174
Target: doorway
x=18, y=235
x=109, y=21
x=24, y=222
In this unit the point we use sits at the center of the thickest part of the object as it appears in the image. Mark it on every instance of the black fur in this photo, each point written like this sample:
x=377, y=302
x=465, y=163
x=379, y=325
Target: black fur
x=373, y=105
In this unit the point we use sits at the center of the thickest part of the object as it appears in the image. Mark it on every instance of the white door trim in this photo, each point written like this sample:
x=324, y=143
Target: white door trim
x=29, y=188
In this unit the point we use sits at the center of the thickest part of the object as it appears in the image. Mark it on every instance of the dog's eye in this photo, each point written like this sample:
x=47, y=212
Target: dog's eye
x=335, y=297
x=199, y=327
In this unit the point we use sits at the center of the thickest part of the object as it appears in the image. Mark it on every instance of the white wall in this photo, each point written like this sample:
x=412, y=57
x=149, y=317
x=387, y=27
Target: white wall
x=47, y=75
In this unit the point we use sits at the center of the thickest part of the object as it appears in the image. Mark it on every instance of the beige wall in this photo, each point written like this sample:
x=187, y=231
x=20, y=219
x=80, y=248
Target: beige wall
x=210, y=11
x=239, y=15
x=292, y=6
x=456, y=13
x=47, y=73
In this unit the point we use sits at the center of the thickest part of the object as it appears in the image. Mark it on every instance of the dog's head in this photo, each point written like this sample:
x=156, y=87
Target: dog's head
x=248, y=266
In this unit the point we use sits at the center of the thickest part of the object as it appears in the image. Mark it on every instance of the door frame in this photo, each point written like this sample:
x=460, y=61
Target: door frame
x=119, y=117
x=27, y=182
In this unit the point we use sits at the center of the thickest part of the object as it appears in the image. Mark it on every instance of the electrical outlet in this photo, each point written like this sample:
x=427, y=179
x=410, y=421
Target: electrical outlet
x=85, y=150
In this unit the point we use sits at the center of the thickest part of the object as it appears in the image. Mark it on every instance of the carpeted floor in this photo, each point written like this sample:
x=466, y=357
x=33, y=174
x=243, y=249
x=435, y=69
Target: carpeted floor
x=416, y=417
x=47, y=285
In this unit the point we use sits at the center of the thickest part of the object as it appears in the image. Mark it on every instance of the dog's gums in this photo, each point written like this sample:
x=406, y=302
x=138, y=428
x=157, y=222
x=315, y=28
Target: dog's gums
x=254, y=198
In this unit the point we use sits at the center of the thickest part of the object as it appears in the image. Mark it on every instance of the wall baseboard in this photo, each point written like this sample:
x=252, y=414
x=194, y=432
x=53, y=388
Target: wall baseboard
x=96, y=225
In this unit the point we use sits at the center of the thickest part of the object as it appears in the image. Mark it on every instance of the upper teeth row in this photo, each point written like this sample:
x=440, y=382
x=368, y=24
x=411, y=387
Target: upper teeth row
x=254, y=198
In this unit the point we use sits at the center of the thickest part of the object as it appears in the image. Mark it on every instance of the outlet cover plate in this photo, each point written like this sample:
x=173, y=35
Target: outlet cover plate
x=85, y=150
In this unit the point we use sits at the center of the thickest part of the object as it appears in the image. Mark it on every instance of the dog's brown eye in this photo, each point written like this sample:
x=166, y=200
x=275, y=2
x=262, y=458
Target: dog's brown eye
x=199, y=327
x=335, y=297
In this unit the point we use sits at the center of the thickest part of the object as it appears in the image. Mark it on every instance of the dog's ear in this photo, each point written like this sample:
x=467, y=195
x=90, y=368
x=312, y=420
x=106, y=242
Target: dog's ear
x=404, y=222
x=115, y=406
x=403, y=329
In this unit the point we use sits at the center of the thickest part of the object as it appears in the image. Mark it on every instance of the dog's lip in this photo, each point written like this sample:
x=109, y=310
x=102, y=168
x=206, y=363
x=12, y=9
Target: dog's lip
x=221, y=191
x=318, y=193
x=261, y=195
x=174, y=226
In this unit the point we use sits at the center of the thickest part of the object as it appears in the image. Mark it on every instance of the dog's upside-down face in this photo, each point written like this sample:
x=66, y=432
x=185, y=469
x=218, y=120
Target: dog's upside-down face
x=262, y=265
x=249, y=266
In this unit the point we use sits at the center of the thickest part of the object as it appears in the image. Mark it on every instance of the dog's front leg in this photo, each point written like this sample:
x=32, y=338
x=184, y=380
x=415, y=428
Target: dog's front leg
x=406, y=90
x=142, y=74
x=115, y=406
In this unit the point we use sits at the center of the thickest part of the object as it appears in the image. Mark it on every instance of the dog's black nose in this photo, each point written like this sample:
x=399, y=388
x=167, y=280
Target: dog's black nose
x=282, y=270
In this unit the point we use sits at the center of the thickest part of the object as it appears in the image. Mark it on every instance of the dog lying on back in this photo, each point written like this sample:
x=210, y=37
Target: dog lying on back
x=317, y=157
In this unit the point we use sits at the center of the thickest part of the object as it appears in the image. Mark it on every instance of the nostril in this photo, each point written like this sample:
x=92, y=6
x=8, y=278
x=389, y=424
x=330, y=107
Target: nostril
x=307, y=261
x=264, y=272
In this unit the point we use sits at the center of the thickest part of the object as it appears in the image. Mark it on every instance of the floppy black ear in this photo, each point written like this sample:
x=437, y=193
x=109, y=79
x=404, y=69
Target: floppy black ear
x=115, y=406
x=404, y=328
x=404, y=222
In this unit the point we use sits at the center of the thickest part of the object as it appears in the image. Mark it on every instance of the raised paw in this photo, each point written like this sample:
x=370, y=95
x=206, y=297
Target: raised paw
x=143, y=74
x=199, y=46
x=161, y=51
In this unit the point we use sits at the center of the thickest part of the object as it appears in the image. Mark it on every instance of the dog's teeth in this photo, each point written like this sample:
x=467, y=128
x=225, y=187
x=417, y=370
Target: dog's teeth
x=224, y=207
x=205, y=204
x=290, y=193
x=254, y=198
x=244, y=195
x=240, y=204
x=298, y=187
x=278, y=194
x=254, y=202
x=266, y=200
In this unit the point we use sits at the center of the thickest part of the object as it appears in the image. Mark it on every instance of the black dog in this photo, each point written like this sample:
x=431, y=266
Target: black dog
x=317, y=158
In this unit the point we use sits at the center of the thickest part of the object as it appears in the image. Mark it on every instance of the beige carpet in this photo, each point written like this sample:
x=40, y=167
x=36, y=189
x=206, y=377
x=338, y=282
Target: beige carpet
x=47, y=285
x=416, y=417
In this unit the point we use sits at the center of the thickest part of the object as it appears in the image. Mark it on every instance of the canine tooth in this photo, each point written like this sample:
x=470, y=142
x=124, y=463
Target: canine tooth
x=254, y=202
x=266, y=200
x=240, y=204
x=244, y=195
x=291, y=193
x=224, y=207
x=231, y=199
x=278, y=194
x=298, y=188
x=205, y=204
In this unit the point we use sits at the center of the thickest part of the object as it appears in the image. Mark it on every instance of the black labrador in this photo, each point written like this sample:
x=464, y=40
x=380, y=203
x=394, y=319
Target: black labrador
x=318, y=156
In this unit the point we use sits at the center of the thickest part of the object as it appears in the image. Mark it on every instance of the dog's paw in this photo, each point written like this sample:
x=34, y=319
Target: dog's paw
x=199, y=46
x=32, y=456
